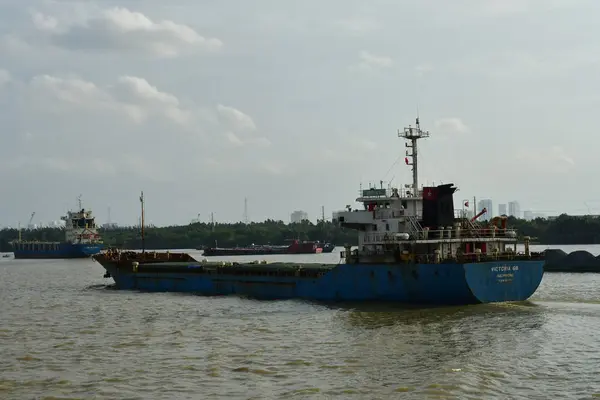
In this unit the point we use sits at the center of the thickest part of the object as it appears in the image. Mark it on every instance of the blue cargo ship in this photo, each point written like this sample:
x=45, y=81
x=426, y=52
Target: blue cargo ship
x=413, y=247
x=81, y=239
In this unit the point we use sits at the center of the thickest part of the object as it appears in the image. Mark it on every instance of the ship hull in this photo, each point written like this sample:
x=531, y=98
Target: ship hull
x=48, y=250
x=442, y=284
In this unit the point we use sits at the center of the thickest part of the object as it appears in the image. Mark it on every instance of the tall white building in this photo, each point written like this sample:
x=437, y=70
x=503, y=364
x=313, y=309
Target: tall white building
x=298, y=216
x=502, y=209
x=488, y=205
x=514, y=210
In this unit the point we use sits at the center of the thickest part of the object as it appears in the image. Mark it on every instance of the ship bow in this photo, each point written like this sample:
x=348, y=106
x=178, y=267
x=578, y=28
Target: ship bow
x=504, y=280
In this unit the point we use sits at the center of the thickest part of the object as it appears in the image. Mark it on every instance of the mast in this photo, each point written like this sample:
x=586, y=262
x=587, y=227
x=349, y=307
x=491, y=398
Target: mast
x=413, y=134
x=143, y=241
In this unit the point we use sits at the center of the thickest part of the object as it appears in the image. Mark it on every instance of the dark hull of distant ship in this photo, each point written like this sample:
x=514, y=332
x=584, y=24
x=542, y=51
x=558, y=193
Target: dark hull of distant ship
x=48, y=250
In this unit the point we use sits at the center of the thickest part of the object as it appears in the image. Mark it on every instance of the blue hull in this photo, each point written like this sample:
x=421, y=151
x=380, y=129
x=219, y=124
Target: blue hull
x=45, y=250
x=447, y=284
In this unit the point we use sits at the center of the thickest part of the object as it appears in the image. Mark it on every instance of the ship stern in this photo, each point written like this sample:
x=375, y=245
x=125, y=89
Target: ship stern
x=504, y=281
x=91, y=249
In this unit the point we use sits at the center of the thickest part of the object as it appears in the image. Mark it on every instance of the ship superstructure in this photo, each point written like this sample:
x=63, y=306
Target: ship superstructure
x=81, y=239
x=421, y=224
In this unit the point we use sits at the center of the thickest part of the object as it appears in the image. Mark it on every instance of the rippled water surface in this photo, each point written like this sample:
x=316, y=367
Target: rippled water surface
x=64, y=335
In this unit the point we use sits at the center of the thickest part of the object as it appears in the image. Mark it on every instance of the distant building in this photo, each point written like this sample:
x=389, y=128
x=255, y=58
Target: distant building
x=528, y=215
x=502, y=209
x=514, y=210
x=488, y=205
x=298, y=216
x=110, y=225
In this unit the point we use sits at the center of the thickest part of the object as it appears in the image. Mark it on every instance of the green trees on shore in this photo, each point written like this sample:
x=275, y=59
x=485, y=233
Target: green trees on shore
x=562, y=230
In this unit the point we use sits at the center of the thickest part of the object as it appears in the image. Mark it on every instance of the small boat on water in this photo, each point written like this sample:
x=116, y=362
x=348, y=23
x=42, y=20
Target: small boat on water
x=413, y=247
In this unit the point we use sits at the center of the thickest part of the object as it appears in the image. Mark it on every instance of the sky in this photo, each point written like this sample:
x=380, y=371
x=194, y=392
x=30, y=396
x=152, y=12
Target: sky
x=292, y=105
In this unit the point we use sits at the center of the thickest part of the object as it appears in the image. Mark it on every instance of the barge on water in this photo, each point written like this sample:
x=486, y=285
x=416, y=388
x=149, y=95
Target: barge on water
x=413, y=248
x=296, y=247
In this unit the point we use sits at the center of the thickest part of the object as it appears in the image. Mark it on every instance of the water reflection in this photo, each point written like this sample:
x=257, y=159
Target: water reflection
x=377, y=315
x=427, y=339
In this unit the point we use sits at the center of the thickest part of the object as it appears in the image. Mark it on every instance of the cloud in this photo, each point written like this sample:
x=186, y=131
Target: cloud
x=120, y=29
x=234, y=139
x=369, y=62
x=130, y=97
x=423, y=69
x=45, y=23
x=451, y=126
x=115, y=123
x=546, y=159
x=235, y=118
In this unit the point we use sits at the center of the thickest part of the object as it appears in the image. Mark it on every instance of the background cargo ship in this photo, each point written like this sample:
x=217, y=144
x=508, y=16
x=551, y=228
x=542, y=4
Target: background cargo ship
x=81, y=239
x=413, y=248
x=296, y=247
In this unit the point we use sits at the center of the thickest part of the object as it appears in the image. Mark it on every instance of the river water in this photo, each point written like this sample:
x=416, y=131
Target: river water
x=65, y=334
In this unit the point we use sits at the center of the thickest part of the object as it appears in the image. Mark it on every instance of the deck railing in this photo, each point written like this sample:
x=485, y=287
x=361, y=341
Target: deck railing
x=433, y=258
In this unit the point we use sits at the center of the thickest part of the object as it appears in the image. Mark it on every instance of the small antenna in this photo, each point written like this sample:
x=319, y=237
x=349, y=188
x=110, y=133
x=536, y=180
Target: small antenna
x=246, y=210
x=142, y=223
x=79, y=201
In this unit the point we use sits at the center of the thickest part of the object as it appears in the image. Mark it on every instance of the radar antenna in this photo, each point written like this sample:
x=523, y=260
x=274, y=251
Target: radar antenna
x=413, y=134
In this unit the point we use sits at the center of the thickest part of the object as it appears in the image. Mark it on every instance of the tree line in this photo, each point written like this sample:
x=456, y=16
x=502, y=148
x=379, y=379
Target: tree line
x=561, y=230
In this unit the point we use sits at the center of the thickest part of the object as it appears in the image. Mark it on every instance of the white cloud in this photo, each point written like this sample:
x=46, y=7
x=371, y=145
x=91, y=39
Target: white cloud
x=45, y=23
x=118, y=28
x=234, y=139
x=235, y=118
x=369, y=62
x=372, y=60
x=132, y=97
x=111, y=121
x=423, y=69
x=451, y=125
x=544, y=160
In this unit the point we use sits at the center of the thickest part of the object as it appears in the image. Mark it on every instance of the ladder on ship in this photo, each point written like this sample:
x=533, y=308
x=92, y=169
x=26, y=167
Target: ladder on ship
x=474, y=227
x=415, y=227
